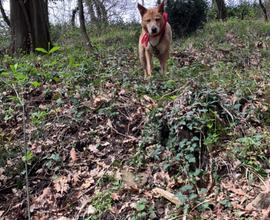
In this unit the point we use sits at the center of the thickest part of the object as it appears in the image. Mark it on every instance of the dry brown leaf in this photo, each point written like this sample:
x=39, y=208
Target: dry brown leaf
x=231, y=187
x=151, y=103
x=162, y=177
x=93, y=148
x=87, y=183
x=167, y=195
x=73, y=155
x=61, y=185
x=63, y=218
x=115, y=197
x=91, y=210
x=266, y=213
x=129, y=180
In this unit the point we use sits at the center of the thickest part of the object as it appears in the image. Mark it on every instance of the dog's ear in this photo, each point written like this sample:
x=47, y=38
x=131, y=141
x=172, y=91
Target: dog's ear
x=161, y=7
x=141, y=9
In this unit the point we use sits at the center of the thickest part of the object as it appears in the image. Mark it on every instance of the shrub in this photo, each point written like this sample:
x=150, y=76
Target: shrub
x=186, y=16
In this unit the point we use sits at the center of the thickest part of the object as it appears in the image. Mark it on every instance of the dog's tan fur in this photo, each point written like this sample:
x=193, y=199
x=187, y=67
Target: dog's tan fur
x=158, y=45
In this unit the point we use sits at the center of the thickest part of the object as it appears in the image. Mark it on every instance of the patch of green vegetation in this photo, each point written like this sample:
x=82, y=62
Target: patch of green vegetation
x=102, y=201
x=251, y=151
x=144, y=210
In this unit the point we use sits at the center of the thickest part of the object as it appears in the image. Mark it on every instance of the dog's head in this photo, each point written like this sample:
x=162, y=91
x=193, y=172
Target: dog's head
x=152, y=19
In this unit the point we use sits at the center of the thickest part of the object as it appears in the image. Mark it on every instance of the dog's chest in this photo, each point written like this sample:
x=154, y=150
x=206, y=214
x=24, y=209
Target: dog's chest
x=155, y=47
x=154, y=41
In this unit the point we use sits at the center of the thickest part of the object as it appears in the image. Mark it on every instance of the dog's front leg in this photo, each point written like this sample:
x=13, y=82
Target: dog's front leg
x=148, y=57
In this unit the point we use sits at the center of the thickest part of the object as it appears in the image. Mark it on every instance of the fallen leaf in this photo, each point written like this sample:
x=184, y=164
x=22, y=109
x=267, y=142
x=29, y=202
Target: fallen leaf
x=61, y=185
x=115, y=196
x=91, y=210
x=93, y=148
x=129, y=180
x=63, y=218
x=232, y=187
x=73, y=155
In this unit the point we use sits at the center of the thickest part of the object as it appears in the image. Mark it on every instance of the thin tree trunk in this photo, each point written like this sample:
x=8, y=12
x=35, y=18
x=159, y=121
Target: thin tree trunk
x=142, y=2
x=82, y=26
x=4, y=15
x=74, y=12
x=103, y=12
x=98, y=10
x=222, y=12
x=264, y=10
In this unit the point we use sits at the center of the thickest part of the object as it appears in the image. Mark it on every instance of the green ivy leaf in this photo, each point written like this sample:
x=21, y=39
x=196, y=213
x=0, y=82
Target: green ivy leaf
x=28, y=156
x=36, y=84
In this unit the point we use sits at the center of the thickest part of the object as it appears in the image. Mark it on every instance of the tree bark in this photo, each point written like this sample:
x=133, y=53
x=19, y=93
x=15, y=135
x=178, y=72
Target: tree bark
x=222, y=12
x=29, y=25
x=264, y=10
x=82, y=26
x=4, y=15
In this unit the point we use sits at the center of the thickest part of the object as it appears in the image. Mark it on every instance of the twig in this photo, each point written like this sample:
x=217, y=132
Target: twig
x=22, y=103
x=124, y=135
x=201, y=203
x=174, y=91
x=228, y=112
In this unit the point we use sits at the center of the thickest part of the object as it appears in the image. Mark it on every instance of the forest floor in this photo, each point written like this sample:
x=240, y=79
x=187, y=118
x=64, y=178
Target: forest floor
x=103, y=142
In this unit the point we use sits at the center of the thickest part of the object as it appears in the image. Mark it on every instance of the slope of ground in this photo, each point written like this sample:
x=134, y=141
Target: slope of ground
x=102, y=142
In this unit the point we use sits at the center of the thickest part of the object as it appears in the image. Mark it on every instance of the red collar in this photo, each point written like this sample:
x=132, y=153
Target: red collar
x=146, y=37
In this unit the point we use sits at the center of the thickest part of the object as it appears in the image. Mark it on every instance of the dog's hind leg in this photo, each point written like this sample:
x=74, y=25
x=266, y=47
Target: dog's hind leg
x=163, y=62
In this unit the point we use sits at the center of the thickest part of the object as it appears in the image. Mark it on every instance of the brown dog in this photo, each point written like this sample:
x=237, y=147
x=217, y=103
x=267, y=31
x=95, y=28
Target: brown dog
x=155, y=38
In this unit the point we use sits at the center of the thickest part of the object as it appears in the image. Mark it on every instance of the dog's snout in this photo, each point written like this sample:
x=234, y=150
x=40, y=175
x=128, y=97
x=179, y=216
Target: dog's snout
x=154, y=30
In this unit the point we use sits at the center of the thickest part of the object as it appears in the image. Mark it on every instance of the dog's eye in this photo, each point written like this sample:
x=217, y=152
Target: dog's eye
x=148, y=20
x=157, y=19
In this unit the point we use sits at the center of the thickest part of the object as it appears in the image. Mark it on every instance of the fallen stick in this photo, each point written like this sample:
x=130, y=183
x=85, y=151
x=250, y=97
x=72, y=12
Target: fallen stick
x=167, y=195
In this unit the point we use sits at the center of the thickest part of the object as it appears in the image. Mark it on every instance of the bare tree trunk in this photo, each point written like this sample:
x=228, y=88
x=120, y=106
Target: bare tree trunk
x=158, y=2
x=74, y=12
x=142, y=2
x=4, y=15
x=222, y=12
x=98, y=10
x=104, y=14
x=82, y=25
x=91, y=10
x=29, y=25
x=264, y=10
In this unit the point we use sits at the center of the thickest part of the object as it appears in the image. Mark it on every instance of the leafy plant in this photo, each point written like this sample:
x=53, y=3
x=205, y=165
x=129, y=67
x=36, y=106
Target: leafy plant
x=48, y=52
x=38, y=117
x=144, y=211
